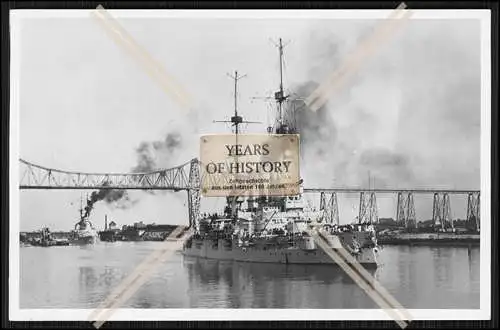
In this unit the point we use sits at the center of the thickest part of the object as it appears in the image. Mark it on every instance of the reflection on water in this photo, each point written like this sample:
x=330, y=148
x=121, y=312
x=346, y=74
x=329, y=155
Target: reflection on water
x=81, y=277
x=253, y=285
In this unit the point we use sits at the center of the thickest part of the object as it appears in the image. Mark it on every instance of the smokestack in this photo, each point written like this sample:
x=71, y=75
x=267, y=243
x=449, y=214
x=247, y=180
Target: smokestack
x=105, y=222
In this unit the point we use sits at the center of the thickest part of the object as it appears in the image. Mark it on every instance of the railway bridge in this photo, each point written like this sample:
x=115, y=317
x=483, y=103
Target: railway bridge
x=186, y=177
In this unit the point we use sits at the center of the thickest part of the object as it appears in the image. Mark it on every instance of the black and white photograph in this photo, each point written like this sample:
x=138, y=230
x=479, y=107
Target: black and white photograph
x=351, y=151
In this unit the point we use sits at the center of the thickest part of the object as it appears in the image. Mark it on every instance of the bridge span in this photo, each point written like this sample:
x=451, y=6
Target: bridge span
x=186, y=177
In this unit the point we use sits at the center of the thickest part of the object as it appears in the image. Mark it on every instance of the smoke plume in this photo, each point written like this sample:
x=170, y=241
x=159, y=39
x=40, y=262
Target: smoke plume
x=151, y=156
x=118, y=198
x=158, y=154
x=409, y=117
x=341, y=158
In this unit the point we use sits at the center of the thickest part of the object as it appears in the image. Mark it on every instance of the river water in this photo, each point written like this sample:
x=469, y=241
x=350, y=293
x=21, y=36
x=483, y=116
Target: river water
x=81, y=277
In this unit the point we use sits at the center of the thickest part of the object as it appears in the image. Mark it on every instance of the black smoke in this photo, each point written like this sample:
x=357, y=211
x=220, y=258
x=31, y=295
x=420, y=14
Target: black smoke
x=386, y=169
x=151, y=156
x=409, y=116
x=313, y=127
x=157, y=154
x=344, y=159
x=119, y=198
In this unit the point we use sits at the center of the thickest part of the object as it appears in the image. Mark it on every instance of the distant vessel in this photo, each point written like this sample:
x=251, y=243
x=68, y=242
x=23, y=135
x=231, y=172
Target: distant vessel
x=84, y=232
x=46, y=239
x=133, y=233
x=429, y=239
x=274, y=229
x=110, y=233
x=138, y=231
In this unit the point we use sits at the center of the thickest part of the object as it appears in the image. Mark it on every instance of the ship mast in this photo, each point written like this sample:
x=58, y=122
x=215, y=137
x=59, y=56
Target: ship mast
x=81, y=207
x=236, y=120
x=280, y=99
x=280, y=95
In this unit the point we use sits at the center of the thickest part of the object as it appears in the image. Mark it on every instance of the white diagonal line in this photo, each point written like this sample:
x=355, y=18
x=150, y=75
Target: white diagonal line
x=126, y=283
x=352, y=62
x=139, y=276
x=376, y=284
x=359, y=51
x=362, y=280
x=140, y=280
x=154, y=68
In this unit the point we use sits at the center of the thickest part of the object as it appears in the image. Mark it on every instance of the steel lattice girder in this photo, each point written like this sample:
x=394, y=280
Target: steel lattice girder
x=34, y=176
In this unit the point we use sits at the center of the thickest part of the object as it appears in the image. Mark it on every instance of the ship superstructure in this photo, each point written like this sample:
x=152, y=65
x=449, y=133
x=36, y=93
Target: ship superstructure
x=84, y=232
x=274, y=228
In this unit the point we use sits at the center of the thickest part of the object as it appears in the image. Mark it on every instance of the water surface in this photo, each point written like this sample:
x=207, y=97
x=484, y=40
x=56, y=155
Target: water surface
x=81, y=277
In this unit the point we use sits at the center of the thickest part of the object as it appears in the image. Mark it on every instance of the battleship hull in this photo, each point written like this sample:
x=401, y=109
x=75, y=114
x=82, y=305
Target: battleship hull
x=222, y=250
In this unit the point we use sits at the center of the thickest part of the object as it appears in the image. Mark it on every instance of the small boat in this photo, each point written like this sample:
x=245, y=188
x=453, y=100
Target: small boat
x=47, y=239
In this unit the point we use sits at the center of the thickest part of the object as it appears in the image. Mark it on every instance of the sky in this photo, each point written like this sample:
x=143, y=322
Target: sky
x=408, y=118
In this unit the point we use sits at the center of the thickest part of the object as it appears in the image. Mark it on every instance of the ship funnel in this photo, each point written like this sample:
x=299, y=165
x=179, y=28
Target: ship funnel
x=105, y=222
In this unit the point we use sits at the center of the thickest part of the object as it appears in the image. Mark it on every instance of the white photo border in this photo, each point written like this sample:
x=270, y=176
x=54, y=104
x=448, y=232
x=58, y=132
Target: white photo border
x=171, y=314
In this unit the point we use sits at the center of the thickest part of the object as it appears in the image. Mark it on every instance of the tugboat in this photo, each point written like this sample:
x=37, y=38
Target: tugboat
x=274, y=229
x=84, y=232
x=46, y=239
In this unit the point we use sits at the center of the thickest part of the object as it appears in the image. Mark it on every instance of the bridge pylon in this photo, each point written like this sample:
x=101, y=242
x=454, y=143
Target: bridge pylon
x=473, y=210
x=188, y=177
x=405, y=213
x=441, y=211
x=194, y=193
x=368, y=209
x=330, y=209
x=411, y=216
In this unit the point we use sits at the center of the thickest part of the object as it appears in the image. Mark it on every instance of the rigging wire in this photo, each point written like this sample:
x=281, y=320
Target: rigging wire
x=285, y=71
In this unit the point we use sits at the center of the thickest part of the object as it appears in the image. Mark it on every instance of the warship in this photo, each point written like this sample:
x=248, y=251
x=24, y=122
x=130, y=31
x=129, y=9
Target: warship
x=84, y=232
x=47, y=239
x=274, y=229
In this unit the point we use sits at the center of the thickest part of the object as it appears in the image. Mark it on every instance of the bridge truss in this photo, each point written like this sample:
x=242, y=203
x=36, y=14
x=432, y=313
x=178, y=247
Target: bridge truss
x=187, y=177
